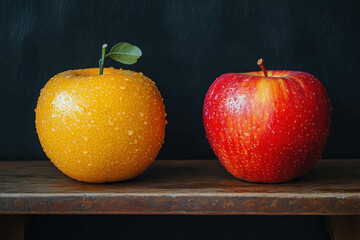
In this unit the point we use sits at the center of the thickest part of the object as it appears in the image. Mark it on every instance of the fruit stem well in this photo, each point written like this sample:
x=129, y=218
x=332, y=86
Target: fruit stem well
x=261, y=64
x=101, y=61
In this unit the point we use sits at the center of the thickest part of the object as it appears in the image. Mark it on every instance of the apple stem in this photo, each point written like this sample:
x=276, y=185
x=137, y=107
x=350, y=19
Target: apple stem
x=103, y=55
x=261, y=64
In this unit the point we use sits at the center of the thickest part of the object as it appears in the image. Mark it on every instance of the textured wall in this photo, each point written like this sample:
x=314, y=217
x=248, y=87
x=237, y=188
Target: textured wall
x=186, y=45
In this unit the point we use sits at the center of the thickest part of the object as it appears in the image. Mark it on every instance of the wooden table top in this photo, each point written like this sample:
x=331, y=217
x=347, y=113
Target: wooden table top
x=198, y=187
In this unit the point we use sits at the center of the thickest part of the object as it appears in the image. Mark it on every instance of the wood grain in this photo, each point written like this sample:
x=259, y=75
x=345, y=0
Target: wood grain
x=343, y=227
x=199, y=187
x=13, y=227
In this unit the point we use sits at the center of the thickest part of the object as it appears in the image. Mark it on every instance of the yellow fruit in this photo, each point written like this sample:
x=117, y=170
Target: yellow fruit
x=100, y=128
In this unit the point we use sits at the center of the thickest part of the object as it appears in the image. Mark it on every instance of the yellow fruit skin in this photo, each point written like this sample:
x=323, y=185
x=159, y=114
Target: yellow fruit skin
x=100, y=128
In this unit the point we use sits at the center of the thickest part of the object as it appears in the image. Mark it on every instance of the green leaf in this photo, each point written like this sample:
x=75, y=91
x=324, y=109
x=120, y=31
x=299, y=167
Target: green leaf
x=125, y=53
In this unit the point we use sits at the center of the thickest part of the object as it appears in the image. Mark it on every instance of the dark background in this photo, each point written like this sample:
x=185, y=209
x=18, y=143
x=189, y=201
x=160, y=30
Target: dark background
x=185, y=45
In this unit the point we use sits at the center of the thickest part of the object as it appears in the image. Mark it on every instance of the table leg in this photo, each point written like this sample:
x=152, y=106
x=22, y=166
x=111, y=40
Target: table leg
x=13, y=227
x=343, y=227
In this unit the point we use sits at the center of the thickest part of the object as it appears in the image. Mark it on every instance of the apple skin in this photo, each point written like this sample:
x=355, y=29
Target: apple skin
x=267, y=129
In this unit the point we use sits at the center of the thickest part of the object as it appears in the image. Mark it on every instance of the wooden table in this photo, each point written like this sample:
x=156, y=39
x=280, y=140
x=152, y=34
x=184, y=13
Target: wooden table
x=196, y=187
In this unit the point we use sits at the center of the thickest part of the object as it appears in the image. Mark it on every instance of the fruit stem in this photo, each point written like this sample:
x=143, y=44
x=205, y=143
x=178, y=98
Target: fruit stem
x=103, y=55
x=261, y=64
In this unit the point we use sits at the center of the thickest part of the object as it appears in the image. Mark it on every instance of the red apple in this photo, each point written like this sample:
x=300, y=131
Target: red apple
x=267, y=126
